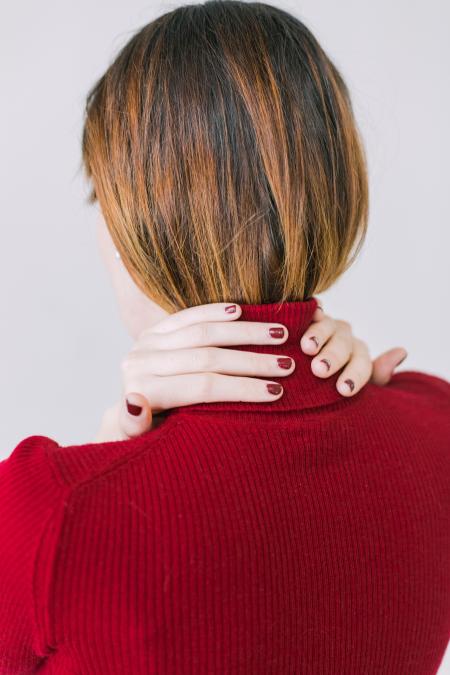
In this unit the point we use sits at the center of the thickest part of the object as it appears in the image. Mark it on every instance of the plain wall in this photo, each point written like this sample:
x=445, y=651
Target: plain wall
x=61, y=338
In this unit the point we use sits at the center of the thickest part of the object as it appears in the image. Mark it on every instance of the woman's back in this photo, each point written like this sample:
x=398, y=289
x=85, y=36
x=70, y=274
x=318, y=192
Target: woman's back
x=309, y=536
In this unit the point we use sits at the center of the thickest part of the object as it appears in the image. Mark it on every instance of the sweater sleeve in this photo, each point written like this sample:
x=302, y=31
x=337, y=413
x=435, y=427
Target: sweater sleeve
x=30, y=494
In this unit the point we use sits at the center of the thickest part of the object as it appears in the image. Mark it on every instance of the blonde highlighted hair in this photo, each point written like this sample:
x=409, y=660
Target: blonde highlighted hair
x=223, y=150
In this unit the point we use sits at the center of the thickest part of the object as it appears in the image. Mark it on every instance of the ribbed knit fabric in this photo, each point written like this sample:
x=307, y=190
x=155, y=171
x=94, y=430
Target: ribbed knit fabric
x=310, y=536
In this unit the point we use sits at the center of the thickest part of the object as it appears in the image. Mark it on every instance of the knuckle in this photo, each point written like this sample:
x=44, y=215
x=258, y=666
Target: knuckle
x=129, y=362
x=203, y=333
x=143, y=334
x=342, y=344
x=362, y=348
x=364, y=367
x=203, y=359
x=360, y=371
x=136, y=385
x=206, y=386
x=344, y=327
x=251, y=333
x=325, y=329
x=148, y=339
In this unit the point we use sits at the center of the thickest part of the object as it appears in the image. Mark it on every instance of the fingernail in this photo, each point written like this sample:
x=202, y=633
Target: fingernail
x=326, y=362
x=276, y=332
x=133, y=409
x=230, y=309
x=350, y=384
x=274, y=389
x=320, y=307
x=284, y=362
x=401, y=360
x=315, y=340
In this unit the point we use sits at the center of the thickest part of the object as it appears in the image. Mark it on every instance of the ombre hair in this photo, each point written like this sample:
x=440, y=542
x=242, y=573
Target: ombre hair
x=222, y=147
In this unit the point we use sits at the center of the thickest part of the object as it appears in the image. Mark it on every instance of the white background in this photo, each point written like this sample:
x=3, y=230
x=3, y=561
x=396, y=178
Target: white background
x=61, y=340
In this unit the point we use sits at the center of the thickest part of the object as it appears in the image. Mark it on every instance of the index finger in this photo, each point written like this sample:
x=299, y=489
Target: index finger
x=214, y=311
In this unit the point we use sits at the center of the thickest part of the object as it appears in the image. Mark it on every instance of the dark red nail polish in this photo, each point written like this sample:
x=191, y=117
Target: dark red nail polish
x=276, y=332
x=350, y=384
x=326, y=362
x=284, y=362
x=274, y=389
x=133, y=409
x=315, y=340
x=230, y=309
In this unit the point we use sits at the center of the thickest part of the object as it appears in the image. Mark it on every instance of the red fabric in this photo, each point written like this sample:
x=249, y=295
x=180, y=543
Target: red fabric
x=306, y=536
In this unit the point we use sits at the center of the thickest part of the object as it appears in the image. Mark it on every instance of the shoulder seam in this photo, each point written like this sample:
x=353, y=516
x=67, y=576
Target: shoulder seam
x=43, y=641
x=54, y=470
x=121, y=461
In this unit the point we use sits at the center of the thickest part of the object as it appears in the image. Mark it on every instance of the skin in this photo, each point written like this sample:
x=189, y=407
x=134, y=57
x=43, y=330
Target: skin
x=177, y=358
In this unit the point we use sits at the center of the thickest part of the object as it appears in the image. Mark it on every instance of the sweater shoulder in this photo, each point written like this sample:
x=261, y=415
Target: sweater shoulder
x=41, y=491
x=425, y=389
x=30, y=464
x=421, y=381
x=77, y=465
x=413, y=404
x=30, y=495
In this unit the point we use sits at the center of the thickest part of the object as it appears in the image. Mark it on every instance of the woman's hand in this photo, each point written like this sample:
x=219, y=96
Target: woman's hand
x=179, y=361
x=333, y=346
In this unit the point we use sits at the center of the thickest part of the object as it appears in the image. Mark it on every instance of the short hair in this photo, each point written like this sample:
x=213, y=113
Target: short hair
x=222, y=147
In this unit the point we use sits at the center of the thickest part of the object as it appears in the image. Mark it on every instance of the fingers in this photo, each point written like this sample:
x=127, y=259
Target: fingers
x=110, y=429
x=318, y=333
x=179, y=362
x=357, y=371
x=334, y=347
x=146, y=363
x=135, y=415
x=319, y=313
x=335, y=354
x=217, y=311
x=163, y=393
x=216, y=334
x=385, y=364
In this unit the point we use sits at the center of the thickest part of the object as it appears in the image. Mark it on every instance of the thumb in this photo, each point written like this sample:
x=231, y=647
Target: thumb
x=135, y=415
x=385, y=364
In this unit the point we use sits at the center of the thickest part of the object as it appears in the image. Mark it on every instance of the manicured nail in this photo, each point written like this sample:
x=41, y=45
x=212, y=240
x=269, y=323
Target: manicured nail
x=276, y=332
x=326, y=362
x=350, y=384
x=315, y=340
x=284, y=362
x=230, y=309
x=133, y=409
x=274, y=389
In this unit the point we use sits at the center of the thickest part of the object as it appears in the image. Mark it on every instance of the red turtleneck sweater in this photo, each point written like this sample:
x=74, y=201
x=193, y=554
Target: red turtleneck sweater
x=309, y=536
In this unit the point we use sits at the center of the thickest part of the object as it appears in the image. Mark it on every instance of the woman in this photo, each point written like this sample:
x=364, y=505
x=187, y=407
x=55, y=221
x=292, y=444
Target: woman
x=192, y=371
x=256, y=529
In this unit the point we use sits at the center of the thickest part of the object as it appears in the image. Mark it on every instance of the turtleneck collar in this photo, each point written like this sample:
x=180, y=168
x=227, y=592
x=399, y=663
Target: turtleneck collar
x=302, y=389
